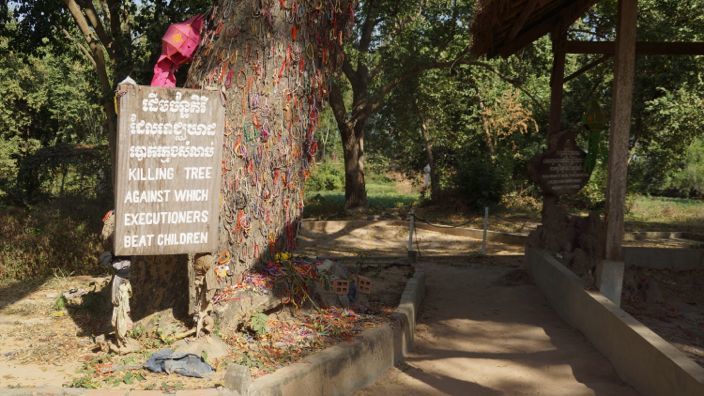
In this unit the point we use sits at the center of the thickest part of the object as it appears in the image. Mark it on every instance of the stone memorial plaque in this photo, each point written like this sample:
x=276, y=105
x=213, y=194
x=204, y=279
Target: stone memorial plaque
x=561, y=171
x=168, y=170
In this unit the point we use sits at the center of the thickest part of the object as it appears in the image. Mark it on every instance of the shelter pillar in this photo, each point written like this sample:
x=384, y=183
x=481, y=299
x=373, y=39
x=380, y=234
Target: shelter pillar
x=557, y=79
x=624, y=71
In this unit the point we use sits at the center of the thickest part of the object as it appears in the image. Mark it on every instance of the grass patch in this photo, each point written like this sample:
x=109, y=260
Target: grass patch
x=382, y=197
x=325, y=192
x=661, y=213
x=643, y=213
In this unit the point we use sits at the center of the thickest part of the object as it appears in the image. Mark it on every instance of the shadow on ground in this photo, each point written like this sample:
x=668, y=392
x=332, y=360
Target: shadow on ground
x=485, y=329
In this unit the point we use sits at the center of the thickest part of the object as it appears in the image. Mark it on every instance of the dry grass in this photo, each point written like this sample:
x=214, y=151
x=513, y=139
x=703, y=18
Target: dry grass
x=56, y=238
x=665, y=214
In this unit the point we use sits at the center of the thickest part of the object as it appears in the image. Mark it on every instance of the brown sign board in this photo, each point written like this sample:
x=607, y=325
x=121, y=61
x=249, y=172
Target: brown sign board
x=561, y=171
x=168, y=168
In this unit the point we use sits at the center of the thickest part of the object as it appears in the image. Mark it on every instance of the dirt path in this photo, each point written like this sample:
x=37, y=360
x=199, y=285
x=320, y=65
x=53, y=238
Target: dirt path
x=386, y=238
x=485, y=330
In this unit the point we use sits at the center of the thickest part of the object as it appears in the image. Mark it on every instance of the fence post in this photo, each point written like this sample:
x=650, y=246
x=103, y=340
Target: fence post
x=411, y=230
x=486, y=227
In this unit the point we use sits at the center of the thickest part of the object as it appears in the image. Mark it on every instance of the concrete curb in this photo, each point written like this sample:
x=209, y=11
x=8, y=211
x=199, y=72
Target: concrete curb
x=641, y=358
x=348, y=367
x=491, y=236
x=639, y=236
x=338, y=370
x=335, y=226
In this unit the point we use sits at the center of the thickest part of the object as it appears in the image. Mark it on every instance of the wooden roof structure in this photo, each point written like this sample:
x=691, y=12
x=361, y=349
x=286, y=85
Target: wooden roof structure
x=502, y=27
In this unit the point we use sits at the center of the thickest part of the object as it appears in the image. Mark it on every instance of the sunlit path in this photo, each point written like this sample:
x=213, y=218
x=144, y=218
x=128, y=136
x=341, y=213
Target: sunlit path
x=485, y=330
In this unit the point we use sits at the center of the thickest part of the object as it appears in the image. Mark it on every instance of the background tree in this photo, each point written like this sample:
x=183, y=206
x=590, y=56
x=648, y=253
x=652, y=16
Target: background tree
x=394, y=42
x=478, y=120
x=118, y=38
x=47, y=101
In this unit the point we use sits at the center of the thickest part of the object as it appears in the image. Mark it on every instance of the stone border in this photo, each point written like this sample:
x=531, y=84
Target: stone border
x=639, y=236
x=347, y=367
x=678, y=259
x=491, y=236
x=341, y=369
x=320, y=226
x=641, y=358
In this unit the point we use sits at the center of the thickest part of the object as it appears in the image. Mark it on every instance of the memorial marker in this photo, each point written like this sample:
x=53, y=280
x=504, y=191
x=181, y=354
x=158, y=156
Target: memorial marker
x=168, y=170
x=561, y=171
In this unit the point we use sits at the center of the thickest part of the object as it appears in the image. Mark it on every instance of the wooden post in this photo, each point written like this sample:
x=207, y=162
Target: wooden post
x=557, y=79
x=412, y=254
x=624, y=70
x=486, y=229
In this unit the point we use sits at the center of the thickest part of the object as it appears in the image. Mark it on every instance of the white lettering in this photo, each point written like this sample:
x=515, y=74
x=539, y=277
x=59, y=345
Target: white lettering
x=136, y=241
x=191, y=195
x=154, y=104
x=148, y=196
x=198, y=172
x=151, y=174
x=184, y=238
x=156, y=218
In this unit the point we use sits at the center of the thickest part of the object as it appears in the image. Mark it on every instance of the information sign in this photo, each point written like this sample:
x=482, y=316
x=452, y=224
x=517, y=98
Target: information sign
x=168, y=170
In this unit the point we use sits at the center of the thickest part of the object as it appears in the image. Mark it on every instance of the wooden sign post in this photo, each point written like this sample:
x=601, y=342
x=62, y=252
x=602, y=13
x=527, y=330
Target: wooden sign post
x=168, y=170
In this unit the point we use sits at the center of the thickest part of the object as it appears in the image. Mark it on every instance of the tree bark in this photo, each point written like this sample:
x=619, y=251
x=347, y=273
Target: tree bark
x=355, y=188
x=428, y=143
x=352, y=135
x=272, y=65
x=271, y=61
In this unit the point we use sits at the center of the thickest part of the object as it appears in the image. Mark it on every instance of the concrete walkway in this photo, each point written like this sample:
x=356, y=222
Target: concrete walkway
x=485, y=330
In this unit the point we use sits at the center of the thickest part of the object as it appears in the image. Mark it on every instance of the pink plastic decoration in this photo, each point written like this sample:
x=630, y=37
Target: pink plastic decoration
x=177, y=47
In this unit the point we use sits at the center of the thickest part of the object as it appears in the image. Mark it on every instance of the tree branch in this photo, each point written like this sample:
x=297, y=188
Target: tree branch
x=348, y=70
x=375, y=104
x=115, y=22
x=80, y=46
x=337, y=104
x=92, y=14
x=95, y=47
x=532, y=97
x=365, y=35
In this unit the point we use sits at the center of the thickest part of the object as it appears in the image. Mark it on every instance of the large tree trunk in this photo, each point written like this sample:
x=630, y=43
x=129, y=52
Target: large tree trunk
x=272, y=63
x=271, y=60
x=353, y=147
x=352, y=134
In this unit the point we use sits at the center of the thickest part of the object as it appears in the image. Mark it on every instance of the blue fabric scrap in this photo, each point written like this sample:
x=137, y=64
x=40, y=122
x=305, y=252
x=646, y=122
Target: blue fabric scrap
x=187, y=364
